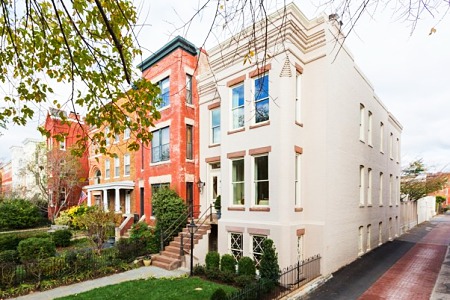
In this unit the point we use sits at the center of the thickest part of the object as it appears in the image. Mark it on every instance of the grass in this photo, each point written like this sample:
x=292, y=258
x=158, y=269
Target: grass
x=182, y=288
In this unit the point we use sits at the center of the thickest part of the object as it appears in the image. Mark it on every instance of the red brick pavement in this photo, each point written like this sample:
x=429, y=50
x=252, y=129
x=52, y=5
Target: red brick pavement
x=413, y=276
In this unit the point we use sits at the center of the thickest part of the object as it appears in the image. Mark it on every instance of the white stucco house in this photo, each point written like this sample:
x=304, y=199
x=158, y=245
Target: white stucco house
x=299, y=146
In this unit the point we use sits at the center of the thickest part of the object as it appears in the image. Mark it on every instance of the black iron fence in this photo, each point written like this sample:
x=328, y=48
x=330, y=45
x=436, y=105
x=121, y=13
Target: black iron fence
x=291, y=278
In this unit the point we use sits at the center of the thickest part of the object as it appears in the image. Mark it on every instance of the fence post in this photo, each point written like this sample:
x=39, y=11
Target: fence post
x=298, y=272
x=210, y=213
x=162, y=240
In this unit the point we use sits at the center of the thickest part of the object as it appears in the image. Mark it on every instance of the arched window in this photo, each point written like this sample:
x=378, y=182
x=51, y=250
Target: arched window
x=98, y=175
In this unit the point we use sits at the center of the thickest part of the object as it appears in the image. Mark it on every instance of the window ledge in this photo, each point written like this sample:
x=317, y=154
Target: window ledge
x=164, y=108
x=265, y=123
x=236, y=208
x=298, y=123
x=361, y=205
x=236, y=130
x=160, y=163
x=369, y=205
x=263, y=209
x=189, y=160
x=190, y=105
x=214, y=145
x=298, y=209
x=362, y=141
x=381, y=205
x=370, y=145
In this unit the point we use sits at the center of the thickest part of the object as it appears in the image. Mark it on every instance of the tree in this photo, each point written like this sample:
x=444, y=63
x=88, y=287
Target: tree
x=98, y=224
x=269, y=269
x=416, y=183
x=58, y=174
x=88, y=46
x=439, y=200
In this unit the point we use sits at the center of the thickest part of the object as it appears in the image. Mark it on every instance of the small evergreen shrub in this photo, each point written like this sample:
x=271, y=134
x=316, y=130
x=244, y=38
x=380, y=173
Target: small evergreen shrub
x=219, y=294
x=269, y=270
x=9, y=242
x=228, y=263
x=19, y=214
x=244, y=280
x=246, y=266
x=199, y=270
x=9, y=256
x=62, y=238
x=212, y=261
x=129, y=249
x=35, y=248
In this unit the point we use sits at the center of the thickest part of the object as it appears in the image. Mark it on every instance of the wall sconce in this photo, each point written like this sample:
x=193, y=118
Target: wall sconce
x=200, y=185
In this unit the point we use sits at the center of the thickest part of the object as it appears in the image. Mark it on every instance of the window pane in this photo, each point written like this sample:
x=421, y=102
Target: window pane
x=238, y=170
x=262, y=111
x=236, y=245
x=215, y=117
x=238, y=193
x=238, y=117
x=257, y=248
x=188, y=89
x=164, y=86
x=237, y=96
x=262, y=87
x=238, y=181
x=155, y=139
x=165, y=135
x=262, y=168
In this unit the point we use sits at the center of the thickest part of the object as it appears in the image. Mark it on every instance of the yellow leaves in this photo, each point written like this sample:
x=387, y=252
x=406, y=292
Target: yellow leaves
x=248, y=57
x=433, y=30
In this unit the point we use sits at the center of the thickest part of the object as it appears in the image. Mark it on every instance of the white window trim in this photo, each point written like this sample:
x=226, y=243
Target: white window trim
x=235, y=108
x=254, y=100
x=234, y=182
x=116, y=165
x=125, y=158
x=254, y=190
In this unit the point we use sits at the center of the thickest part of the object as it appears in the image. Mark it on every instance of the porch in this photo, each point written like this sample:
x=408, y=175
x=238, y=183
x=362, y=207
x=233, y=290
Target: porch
x=114, y=196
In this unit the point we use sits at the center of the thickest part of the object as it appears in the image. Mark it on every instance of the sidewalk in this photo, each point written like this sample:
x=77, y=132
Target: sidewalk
x=139, y=273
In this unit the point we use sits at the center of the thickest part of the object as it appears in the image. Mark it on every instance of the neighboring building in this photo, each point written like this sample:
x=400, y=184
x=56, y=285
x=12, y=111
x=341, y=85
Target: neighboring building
x=299, y=147
x=171, y=159
x=59, y=159
x=6, y=179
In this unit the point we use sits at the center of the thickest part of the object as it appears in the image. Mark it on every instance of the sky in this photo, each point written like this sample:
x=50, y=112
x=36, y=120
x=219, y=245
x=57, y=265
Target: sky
x=408, y=70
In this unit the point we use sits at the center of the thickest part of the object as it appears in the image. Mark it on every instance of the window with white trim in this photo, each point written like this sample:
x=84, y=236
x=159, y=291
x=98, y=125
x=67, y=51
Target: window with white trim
x=380, y=190
x=381, y=137
x=164, y=86
x=380, y=233
x=155, y=188
x=237, y=106
x=361, y=185
x=107, y=169
x=188, y=89
x=391, y=146
x=189, y=142
x=298, y=95
x=257, y=248
x=298, y=190
x=107, y=136
x=237, y=181
x=390, y=229
x=62, y=144
x=161, y=145
x=369, y=237
x=116, y=138
x=116, y=166
x=397, y=188
x=369, y=186
x=391, y=188
x=215, y=126
x=261, y=173
x=261, y=98
x=300, y=248
x=362, y=113
x=369, y=128
x=360, y=240
x=126, y=164
x=236, y=245
x=397, y=156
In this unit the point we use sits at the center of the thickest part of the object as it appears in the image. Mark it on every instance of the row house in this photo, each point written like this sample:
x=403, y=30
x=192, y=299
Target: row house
x=298, y=145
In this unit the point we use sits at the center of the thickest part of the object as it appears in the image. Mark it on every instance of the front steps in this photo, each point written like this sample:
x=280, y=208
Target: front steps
x=171, y=258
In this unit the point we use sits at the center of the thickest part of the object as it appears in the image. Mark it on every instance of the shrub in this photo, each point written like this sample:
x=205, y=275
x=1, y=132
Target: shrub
x=63, y=219
x=268, y=268
x=228, y=263
x=9, y=256
x=9, y=242
x=19, y=214
x=35, y=248
x=199, y=270
x=142, y=232
x=74, y=213
x=219, y=294
x=246, y=266
x=244, y=280
x=61, y=238
x=212, y=261
x=129, y=249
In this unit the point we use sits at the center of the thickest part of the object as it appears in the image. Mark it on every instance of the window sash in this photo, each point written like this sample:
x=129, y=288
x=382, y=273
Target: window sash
x=161, y=145
x=107, y=169
x=215, y=126
x=262, y=99
x=188, y=89
x=126, y=162
x=257, y=248
x=116, y=167
x=261, y=179
x=189, y=145
x=236, y=245
x=164, y=86
x=237, y=106
x=237, y=181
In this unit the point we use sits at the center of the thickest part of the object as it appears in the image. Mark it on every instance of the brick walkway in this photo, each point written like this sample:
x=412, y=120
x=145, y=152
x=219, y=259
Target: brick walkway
x=414, y=275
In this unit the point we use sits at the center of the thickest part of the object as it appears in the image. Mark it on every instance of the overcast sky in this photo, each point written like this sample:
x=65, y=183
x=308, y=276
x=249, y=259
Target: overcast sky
x=409, y=72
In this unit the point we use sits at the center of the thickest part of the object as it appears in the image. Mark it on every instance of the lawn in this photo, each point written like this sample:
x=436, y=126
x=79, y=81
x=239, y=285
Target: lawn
x=183, y=288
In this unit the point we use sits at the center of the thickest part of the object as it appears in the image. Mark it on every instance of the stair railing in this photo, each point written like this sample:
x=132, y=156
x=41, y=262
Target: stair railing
x=167, y=234
x=200, y=221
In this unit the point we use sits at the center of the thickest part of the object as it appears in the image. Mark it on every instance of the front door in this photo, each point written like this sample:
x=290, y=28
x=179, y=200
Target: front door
x=127, y=202
x=214, y=188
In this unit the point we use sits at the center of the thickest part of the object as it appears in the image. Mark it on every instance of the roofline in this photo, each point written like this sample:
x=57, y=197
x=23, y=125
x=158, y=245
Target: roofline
x=177, y=42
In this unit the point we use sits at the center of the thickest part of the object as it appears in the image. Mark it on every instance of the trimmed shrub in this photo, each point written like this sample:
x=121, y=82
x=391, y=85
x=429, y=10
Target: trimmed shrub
x=246, y=266
x=199, y=270
x=269, y=270
x=228, y=263
x=219, y=294
x=62, y=238
x=9, y=256
x=35, y=248
x=19, y=214
x=9, y=242
x=212, y=261
x=130, y=249
x=244, y=280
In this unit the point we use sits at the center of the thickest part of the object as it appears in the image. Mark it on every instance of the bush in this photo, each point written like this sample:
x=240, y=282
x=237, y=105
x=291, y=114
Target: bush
x=212, y=261
x=219, y=294
x=199, y=270
x=130, y=249
x=62, y=237
x=19, y=214
x=9, y=242
x=268, y=267
x=246, y=266
x=35, y=248
x=9, y=256
x=228, y=263
x=142, y=232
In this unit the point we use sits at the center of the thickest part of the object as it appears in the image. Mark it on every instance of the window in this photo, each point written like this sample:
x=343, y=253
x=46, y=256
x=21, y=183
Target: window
x=107, y=136
x=381, y=137
x=126, y=133
x=380, y=233
x=155, y=188
x=164, y=86
x=107, y=168
x=126, y=164
x=62, y=195
x=116, y=167
x=390, y=229
x=62, y=144
x=300, y=248
x=97, y=177
x=297, y=180
x=50, y=143
x=391, y=147
x=262, y=99
x=369, y=128
x=160, y=145
x=257, y=248
x=380, y=194
x=237, y=106
x=188, y=89
x=262, y=180
x=236, y=245
x=369, y=237
x=361, y=122
x=397, y=186
x=116, y=138
x=215, y=126
x=361, y=185
x=189, y=139
x=237, y=181
x=190, y=197
x=369, y=187
x=397, y=156
x=391, y=189
x=360, y=240
x=298, y=94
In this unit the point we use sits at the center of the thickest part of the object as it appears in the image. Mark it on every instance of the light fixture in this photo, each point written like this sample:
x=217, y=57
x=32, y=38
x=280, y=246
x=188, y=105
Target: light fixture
x=200, y=185
x=192, y=228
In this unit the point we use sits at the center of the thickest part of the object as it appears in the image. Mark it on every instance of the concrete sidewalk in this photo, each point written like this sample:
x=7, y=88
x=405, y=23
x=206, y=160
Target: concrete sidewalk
x=139, y=273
